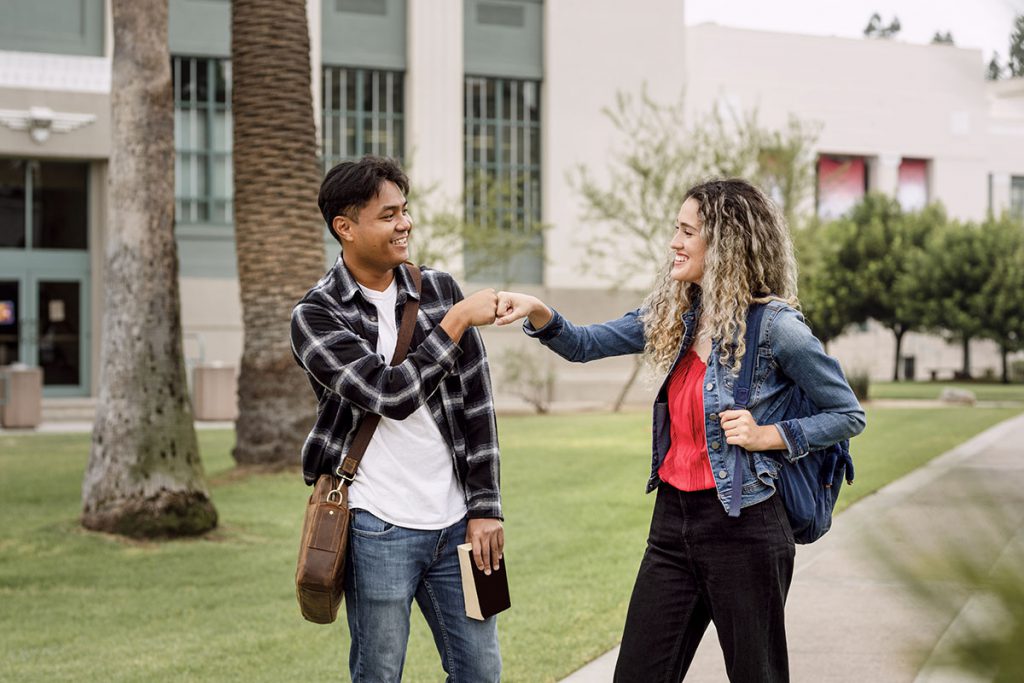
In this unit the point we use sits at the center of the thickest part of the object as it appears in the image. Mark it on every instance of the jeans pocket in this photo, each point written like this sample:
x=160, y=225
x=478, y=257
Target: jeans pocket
x=781, y=520
x=366, y=523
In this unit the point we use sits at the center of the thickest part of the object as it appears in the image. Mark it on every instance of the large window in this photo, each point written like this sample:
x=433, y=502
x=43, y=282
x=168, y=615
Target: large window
x=842, y=181
x=202, y=140
x=1017, y=197
x=364, y=113
x=502, y=165
x=57, y=215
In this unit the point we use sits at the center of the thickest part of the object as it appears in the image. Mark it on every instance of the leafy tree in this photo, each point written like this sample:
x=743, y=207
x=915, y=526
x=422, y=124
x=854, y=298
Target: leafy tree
x=941, y=38
x=946, y=284
x=864, y=263
x=657, y=157
x=995, y=70
x=874, y=25
x=875, y=28
x=1016, y=57
x=827, y=307
x=279, y=241
x=1003, y=320
x=486, y=239
x=144, y=476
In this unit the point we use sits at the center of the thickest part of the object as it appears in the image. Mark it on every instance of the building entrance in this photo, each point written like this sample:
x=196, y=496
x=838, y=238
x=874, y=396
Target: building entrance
x=44, y=271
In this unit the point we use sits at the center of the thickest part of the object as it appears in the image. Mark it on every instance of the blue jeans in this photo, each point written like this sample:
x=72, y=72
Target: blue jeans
x=387, y=567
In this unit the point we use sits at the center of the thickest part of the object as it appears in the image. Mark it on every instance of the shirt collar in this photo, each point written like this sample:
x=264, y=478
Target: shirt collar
x=348, y=287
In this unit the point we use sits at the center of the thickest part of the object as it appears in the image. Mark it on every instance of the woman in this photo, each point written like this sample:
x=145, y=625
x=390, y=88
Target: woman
x=731, y=249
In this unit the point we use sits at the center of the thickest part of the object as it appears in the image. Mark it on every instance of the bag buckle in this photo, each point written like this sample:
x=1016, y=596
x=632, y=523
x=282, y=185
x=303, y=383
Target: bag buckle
x=345, y=478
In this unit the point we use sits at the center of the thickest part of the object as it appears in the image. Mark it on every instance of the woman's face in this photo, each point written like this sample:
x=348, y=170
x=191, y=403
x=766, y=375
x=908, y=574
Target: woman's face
x=688, y=245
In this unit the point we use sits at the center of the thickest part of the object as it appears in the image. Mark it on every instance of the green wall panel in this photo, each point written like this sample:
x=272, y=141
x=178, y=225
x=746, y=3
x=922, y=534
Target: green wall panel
x=206, y=251
x=504, y=38
x=367, y=33
x=71, y=27
x=200, y=27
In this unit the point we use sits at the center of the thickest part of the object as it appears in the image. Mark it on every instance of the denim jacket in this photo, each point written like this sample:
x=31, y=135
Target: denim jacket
x=789, y=354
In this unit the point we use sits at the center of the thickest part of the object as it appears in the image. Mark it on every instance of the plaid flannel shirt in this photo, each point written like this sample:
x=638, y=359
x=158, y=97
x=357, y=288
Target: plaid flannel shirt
x=334, y=339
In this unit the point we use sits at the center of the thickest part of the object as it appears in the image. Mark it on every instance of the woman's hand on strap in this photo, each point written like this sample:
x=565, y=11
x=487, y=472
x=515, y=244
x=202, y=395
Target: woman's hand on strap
x=741, y=430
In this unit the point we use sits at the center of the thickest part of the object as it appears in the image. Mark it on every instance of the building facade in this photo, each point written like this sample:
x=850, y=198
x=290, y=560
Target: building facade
x=507, y=90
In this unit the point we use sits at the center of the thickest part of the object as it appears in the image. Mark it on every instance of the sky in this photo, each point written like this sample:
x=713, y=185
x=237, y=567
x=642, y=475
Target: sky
x=983, y=24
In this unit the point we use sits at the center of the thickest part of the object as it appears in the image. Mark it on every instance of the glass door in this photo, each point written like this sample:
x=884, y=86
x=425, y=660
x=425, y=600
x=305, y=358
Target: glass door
x=59, y=327
x=10, y=322
x=44, y=271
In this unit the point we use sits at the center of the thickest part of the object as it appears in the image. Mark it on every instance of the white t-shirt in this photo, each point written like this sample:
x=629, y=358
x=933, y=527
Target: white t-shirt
x=406, y=477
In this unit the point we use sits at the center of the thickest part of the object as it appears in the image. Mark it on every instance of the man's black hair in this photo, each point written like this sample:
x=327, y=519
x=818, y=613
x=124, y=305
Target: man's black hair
x=350, y=186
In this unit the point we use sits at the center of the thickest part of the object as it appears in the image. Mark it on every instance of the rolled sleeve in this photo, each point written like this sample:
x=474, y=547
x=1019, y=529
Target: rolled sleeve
x=793, y=436
x=801, y=356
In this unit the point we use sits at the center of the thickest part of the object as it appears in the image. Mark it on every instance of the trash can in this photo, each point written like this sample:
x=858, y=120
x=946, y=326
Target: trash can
x=21, y=403
x=213, y=392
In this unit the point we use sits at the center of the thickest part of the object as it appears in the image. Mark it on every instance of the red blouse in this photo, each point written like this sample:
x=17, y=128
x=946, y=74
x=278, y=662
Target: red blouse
x=686, y=464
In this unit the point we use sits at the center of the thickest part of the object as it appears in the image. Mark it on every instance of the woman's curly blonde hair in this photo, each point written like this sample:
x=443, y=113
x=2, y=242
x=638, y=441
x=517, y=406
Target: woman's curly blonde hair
x=748, y=258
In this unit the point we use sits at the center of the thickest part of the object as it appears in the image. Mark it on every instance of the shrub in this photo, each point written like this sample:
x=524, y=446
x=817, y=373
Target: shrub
x=859, y=382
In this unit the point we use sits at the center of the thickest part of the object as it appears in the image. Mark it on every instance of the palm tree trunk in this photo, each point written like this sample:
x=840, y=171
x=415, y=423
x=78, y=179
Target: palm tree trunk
x=144, y=476
x=278, y=229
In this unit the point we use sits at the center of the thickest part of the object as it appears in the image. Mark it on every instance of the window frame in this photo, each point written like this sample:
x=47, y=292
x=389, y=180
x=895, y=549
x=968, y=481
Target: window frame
x=191, y=221
x=390, y=113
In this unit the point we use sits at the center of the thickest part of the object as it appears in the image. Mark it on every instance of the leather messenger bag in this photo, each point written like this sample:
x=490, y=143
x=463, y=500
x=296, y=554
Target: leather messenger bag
x=320, y=575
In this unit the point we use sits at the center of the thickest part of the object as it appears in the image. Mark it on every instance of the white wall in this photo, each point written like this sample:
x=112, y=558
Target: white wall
x=434, y=104
x=591, y=51
x=874, y=98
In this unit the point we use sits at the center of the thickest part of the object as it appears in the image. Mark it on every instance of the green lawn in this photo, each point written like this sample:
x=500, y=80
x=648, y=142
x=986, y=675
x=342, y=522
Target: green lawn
x=89, y=607
x=930, y=390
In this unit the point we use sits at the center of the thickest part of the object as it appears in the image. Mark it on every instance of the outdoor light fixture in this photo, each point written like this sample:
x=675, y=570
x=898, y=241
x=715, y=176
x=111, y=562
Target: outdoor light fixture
x=41, y=121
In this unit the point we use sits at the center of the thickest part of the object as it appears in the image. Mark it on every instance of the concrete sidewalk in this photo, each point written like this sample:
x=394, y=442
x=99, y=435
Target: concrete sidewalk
x=847, y=618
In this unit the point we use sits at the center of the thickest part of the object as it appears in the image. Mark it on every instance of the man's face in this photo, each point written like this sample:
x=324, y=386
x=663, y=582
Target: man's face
x=379, y=240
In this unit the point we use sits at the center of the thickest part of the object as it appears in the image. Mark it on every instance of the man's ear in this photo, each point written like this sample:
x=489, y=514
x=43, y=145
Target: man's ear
x=342, y=227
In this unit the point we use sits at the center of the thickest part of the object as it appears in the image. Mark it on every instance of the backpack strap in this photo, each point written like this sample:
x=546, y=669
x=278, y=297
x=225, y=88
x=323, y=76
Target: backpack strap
x=741, y=396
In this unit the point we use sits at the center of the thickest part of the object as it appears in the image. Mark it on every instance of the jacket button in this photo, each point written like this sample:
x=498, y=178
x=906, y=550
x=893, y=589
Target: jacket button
x=373, y=318
x=722, y=474
x=715, y=445
x=713, y=417
x=709, y=386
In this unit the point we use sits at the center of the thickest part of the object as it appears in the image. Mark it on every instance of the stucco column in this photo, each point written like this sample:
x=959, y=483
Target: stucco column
x=1000, y=193
x=434, y=104
x=315, y=23
x=886, y=176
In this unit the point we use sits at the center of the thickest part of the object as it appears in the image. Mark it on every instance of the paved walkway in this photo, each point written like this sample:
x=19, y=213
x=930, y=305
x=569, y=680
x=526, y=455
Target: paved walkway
x=847, y=618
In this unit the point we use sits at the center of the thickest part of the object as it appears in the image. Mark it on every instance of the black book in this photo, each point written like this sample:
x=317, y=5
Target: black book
x=485, y=595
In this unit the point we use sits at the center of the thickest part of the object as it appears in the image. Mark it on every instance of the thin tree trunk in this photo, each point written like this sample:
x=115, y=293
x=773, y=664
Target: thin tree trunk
x=278, y=228
x=1005, y=353
x=967, y=358
x=144, y=476
x=621, y=398
x=898, y=332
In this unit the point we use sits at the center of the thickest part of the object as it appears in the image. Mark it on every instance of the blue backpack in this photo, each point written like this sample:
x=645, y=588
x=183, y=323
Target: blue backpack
x=810, y=486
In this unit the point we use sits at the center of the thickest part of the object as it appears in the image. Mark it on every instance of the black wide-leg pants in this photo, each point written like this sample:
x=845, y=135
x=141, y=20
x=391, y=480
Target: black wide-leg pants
x=703, y=566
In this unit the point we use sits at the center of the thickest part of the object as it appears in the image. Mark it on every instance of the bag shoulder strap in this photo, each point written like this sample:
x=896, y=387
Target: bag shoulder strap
x=741, y=396
x=347, y=469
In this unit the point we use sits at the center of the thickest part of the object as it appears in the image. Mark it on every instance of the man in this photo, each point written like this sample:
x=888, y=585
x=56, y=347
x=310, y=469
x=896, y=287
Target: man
x=429, y=478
